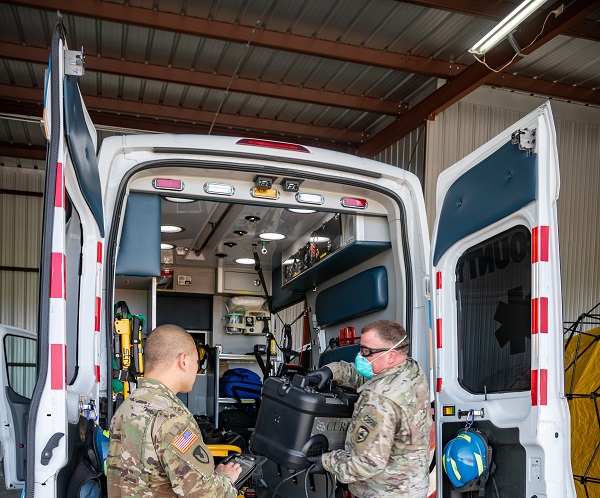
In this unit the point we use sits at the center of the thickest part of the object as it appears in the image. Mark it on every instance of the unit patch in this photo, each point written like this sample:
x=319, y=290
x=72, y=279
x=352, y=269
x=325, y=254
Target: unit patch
x=185, y=440
x=361, y=434
x=201, y=455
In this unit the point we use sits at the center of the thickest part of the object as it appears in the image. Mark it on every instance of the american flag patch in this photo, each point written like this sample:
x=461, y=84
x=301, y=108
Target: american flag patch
x=185, y=440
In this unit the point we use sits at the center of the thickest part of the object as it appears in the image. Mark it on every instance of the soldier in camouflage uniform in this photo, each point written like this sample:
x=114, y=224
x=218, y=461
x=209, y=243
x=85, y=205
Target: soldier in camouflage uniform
x=155, y=447
x=387, y=444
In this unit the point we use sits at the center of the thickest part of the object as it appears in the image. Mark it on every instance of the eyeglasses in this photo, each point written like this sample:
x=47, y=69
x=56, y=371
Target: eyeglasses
x=365, y=352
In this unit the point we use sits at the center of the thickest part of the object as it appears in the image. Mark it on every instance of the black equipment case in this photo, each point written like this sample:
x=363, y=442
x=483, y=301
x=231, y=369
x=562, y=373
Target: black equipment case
x=296, y=420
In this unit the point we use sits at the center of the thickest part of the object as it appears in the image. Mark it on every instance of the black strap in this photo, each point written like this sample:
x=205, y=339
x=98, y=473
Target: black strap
x=258, y=269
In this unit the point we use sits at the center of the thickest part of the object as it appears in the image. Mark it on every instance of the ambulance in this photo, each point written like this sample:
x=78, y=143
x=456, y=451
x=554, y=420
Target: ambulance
x=342, y=238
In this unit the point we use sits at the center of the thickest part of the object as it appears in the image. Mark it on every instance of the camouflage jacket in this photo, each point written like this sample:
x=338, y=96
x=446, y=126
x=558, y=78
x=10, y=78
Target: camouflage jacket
x=387, y=445
x=156, y=449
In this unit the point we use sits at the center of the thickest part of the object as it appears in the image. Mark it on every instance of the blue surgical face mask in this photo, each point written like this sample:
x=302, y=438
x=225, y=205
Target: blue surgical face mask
x=365, y=367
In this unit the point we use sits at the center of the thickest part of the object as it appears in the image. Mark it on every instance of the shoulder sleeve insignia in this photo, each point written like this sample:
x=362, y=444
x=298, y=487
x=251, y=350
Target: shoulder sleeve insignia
x=201, y=455
x=362, y=433
x=185, y=440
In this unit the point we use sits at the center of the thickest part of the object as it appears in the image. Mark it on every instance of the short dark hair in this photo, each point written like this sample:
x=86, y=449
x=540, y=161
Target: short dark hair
x=389, y=331
x=164, y=344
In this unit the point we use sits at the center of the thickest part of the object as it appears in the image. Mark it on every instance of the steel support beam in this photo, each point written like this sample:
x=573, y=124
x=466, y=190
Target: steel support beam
x=195, y=116
x=181, y=76
x=478, y=74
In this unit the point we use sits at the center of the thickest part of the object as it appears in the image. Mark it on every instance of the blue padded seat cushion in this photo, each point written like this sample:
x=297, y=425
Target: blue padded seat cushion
x=356, y=296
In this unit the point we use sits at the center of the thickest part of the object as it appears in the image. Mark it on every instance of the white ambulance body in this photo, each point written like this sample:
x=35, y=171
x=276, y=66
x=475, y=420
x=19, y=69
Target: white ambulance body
x=495, y=287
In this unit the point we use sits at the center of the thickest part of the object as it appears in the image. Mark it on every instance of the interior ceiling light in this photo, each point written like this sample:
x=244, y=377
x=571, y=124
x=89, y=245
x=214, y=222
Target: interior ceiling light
x=301, y=211
x=505, y=27
x=245, y=261
x=221, y=255
x=319, y=239
x=179, y=199
x=241, y=233
x=289, y=262
x=164, y=246
x=230, y=244
x=308, y=198
x=271, y=236
x=170, y=229
x=252, y=219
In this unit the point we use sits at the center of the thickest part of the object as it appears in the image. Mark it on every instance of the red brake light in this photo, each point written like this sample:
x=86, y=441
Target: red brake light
x=272, y=145
x=353, y=202
x=167, y=184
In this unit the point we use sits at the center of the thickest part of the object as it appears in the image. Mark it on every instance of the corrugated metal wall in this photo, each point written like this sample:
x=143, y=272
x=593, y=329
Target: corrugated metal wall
x=408, y=153
x=20, y=230
x=468, y=124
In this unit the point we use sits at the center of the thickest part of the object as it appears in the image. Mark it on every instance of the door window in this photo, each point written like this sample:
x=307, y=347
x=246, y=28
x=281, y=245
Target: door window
x=493, y=292
x=20, y=358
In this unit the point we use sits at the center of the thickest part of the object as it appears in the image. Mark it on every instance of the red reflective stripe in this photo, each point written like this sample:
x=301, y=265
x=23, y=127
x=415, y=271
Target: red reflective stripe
x=59, y=193
x=534, y=387
x=58, y=367
x=543, y=386
x=544, y=241
x=539, y=315
x=57, y=275
x=99, y=253
x=543, y=315
x=540, y=243
x=438, y=332
x=438, y=280
x=97, y=372
x=438, y=384
x=97, y=315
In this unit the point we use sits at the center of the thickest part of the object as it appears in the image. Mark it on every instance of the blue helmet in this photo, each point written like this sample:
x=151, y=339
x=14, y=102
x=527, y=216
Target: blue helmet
x=466, y=459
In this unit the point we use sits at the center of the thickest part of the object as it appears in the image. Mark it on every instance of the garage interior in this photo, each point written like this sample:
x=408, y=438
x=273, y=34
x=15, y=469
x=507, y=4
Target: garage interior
x=385, y=79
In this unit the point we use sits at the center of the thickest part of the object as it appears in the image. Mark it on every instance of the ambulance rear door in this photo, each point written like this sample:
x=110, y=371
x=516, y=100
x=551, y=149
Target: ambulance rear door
x=70, y=279
x=498, y=313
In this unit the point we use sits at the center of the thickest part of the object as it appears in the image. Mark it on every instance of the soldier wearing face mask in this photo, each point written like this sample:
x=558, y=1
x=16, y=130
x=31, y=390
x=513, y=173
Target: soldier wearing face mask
x=386, y=452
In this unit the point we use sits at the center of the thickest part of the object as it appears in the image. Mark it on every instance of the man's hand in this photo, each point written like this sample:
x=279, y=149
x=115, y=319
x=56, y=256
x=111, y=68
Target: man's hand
x=317, y=463
x=320, y=376
x=231, y=470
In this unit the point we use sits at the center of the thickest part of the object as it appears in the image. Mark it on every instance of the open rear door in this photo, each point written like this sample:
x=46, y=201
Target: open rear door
x=70, y=279
x=498, y=314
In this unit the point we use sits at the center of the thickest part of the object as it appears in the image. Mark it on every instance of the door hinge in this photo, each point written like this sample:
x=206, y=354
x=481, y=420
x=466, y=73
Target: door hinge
x=524, y=139
x=74, y=62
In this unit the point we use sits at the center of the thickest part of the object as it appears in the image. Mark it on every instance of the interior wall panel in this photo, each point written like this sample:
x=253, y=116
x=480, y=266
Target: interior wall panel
x=471, y=122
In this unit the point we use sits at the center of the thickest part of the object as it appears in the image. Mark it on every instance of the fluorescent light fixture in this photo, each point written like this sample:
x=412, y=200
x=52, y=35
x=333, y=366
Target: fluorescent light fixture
x=245, y=261
x=506, y=26
x=302, y=211
x=164, y=246
x=317, y=239
x=271, y=236
x=289, y=262
x=170, y=229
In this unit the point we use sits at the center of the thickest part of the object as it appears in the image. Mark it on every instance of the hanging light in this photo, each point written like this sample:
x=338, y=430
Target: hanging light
x=506, y=26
